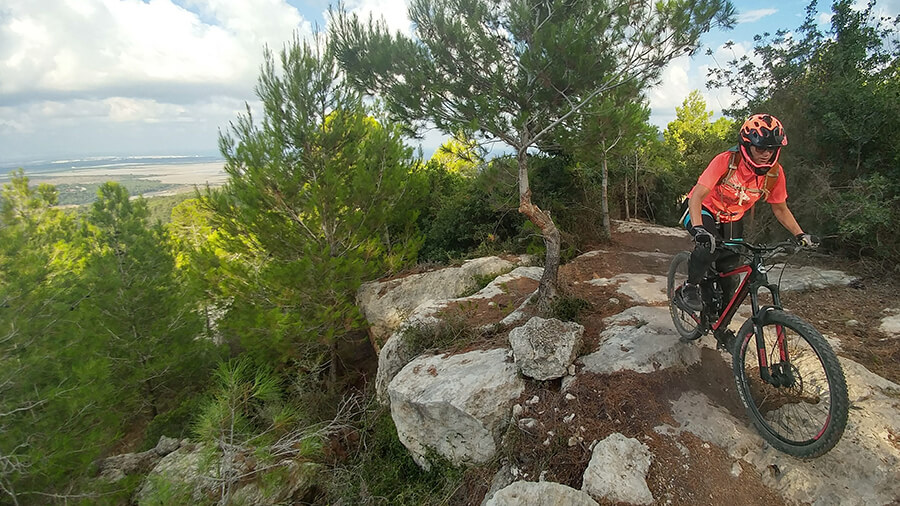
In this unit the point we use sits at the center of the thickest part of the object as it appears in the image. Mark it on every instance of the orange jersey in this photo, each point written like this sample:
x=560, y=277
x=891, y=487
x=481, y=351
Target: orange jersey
x=731, y=199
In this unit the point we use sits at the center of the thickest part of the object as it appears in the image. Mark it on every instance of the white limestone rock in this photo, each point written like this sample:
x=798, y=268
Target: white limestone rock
x=541, y=493
x=544, y=348
x=396, y=352
x=890, y=325
x=862, y=469
x=386, y=304
x=807, y=277
x=456, y=406
x=640, y=288
x=641, y=227
x=618, y=469
x=640, y=339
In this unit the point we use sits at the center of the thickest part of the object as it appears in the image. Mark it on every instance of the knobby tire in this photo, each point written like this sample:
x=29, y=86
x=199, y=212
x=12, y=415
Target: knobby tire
x=687, y=328
x=774, y=410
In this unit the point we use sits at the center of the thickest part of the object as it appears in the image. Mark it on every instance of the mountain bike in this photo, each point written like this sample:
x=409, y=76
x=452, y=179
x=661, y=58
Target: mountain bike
x=794, y=389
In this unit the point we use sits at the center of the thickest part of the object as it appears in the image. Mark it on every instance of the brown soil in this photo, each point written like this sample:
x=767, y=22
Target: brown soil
x=685, y=470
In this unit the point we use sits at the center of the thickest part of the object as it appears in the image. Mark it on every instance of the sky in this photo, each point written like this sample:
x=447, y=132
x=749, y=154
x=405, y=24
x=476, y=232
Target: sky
x=81, y=78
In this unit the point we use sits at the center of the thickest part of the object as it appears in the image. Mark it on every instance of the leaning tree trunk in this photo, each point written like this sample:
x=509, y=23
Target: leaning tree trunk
x=604, y=199
x=547, y=290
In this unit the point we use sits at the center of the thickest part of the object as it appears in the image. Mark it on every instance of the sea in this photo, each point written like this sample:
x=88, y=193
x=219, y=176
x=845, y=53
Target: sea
x=176, y=170
x=67, y=167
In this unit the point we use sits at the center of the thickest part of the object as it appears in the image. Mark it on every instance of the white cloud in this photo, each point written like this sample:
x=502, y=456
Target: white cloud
x=394, y=12
x=755, y=15
x=100, y=63
x=81, y=45
x=674, y=85
x=685, y=74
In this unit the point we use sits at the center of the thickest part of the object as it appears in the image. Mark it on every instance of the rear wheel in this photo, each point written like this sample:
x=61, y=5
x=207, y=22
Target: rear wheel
x=687, y=323
x=802, y=409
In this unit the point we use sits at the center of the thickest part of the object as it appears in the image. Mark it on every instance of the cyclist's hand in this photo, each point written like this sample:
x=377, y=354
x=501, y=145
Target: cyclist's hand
x=807, y=240
x=704, y=239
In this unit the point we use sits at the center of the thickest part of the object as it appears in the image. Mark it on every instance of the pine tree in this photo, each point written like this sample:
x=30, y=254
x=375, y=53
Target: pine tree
x=514, y=71
x=315, y=203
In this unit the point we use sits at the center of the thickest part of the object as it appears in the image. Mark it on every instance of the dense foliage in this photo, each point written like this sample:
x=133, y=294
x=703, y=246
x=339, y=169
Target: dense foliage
x=838, y=93
x=219, y=315
x=98, y=334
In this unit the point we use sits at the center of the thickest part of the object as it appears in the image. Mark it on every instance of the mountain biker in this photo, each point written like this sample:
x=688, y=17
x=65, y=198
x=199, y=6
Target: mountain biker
x=732, y=183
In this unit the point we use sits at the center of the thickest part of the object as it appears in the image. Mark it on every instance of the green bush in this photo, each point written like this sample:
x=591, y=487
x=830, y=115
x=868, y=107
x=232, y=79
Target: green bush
x=452, y=330
x=383, y=472
x=865, y=214
x=567, y=308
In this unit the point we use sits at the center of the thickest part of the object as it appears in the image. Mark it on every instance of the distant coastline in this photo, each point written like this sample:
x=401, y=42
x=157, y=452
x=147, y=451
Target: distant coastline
x=78, y=179
x=109, y=165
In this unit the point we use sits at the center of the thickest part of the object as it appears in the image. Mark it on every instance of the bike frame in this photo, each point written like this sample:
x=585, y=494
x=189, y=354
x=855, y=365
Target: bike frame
x=754, y=279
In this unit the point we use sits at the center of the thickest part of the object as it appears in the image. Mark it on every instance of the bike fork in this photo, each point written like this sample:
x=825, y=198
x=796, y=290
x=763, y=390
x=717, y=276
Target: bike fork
x=781, y=373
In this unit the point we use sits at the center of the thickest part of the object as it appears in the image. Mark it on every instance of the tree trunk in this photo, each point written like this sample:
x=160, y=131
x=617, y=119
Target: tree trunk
x=625, y=199
x=635, y=186
x=332, y=367
x=548, y=288
x=149, y=390
x=604, y=198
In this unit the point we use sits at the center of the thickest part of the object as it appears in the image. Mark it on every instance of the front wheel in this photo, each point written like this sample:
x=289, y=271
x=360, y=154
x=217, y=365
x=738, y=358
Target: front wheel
x=801, y=408
x=687, y=323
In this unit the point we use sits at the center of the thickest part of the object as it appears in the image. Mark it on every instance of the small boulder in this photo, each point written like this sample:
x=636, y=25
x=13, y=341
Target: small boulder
x=542, y=493
x=618, y=469
x=544, y=348
x=117, y=467
x=890, y=325
x=456, y=406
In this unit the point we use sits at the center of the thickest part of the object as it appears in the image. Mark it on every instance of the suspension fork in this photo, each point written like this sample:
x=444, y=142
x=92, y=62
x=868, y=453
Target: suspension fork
x=782, y=368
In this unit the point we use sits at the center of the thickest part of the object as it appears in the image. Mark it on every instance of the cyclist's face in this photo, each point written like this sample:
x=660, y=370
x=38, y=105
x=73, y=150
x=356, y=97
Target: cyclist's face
x=761, y=155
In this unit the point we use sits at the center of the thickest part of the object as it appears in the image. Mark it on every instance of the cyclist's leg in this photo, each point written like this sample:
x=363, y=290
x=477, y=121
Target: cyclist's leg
x=727, y=260
x=701, y=258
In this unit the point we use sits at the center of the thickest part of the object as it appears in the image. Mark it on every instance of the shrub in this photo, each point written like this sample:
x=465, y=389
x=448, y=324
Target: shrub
x=567, y=308
x=451, y=331
x=383, y=472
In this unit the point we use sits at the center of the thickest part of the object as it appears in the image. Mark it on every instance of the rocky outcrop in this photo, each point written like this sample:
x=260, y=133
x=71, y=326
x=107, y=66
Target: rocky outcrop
x=640, y=227
x=640, y=339
x=545, y=348
x=387, y=304
x=865, y=461
x=890, y=324
x=180, y=473
x=806, y=277
x=117, y=467
x=640, y=288
x=455, y=406
x=189, y=476
x=397, y=352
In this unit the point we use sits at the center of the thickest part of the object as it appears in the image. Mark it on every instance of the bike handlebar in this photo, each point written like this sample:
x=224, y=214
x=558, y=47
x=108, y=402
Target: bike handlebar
x=763, y=250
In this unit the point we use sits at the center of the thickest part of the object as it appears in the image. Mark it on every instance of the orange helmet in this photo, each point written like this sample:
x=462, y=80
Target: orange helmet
x=762, y=131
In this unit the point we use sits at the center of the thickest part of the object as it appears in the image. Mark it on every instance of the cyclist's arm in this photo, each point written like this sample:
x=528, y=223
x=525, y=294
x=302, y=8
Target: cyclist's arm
x=786, y=218
x=695, y=204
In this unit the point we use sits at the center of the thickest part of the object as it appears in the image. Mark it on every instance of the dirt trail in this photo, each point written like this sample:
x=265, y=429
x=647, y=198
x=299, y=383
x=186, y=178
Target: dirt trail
x=685, y=469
